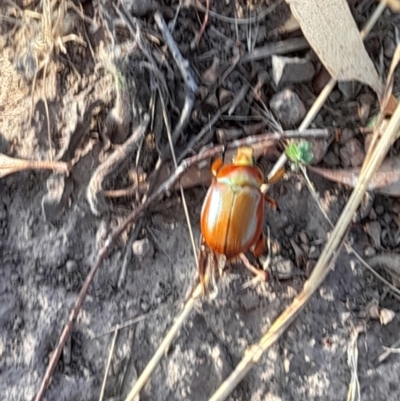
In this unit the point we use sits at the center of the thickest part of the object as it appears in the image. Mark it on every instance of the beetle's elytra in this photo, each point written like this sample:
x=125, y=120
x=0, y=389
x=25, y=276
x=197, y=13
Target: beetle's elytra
x=233, y=211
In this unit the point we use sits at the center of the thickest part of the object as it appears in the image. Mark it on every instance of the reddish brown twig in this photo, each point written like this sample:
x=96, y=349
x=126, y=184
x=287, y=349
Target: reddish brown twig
x=10, y=165
x=204, y=24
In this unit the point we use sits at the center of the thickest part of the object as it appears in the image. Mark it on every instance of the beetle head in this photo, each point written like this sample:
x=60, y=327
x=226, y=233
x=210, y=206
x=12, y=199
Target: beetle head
x=244, y=157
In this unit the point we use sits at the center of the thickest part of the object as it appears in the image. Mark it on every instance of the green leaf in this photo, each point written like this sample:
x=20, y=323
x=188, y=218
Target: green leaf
x=299, y=153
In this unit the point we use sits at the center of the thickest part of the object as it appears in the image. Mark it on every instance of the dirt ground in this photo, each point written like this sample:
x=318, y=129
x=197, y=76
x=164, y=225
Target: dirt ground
x=52, y=226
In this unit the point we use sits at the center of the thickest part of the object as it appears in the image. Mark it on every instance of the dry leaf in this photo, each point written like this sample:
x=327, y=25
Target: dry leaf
x=332, y=32
x=386, y=180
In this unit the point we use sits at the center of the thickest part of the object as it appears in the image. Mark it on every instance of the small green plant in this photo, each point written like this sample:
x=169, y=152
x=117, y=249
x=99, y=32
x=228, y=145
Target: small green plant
x=299, y=153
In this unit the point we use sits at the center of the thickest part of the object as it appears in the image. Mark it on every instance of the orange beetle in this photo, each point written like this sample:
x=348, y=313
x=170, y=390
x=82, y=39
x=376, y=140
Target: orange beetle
x=233, y=211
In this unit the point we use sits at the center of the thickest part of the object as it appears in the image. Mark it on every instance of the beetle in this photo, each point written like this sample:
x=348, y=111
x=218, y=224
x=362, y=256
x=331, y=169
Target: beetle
x=232, y=215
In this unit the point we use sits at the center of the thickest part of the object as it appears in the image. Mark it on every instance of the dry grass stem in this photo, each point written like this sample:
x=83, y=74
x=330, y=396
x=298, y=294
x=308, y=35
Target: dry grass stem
x=110, y=355
x=354, y=393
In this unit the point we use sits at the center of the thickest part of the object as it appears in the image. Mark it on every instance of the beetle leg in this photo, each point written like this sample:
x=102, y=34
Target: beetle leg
x=278, y=175
x=260, y=245
x=272, y=202
x=216, y=165
x=257, y=272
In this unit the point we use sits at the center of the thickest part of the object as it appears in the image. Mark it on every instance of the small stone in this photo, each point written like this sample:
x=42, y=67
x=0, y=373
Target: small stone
x=17, y=323
x=304, y=238
x=314, y=252
x=14, y=277
x=347, y=134
x=143, y=248
x=387, y=218
x=288, y=107
x=373, y=229
x=249, y=301
x=365, y=206
x=372, y=310
x=396, y=206
x=283, y=267
x=352, y=153
x=320, y=80
x=331, y=160
x=291, y=70
x=379, y=209
x=286, y=365
x=289, y=230
x=389, y=47
x=369, y=252
x=372, y=215
x=366, y=101
x=71, y=266
x=334, y=97
x=386, y=316
x=319, y=149
x=144, y=306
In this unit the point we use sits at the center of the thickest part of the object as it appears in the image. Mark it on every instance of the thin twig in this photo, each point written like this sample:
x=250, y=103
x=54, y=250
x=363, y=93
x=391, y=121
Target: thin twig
x=128, y=252
x=387, y=352
x=110, y=355
x=184, y=203
x=184, y=67
x=128, y=323
x=204, y=24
